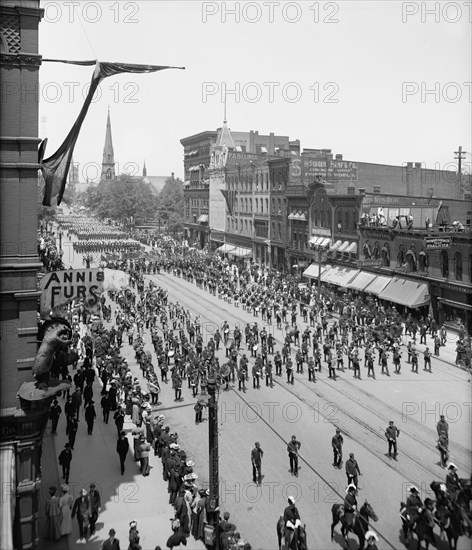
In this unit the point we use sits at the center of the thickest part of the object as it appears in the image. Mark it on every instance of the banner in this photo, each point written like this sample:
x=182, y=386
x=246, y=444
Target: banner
x=60, y=288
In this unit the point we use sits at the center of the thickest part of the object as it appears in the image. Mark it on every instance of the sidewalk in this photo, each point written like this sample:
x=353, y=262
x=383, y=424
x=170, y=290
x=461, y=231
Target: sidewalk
x=124, y=498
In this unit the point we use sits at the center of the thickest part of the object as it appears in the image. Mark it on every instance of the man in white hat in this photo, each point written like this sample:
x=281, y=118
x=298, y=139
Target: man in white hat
x=371, y=539
x=350, y=505
x=291, y=521
x=414, y=506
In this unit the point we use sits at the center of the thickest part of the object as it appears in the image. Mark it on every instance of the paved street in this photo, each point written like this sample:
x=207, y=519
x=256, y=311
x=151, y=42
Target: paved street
x=362, y=409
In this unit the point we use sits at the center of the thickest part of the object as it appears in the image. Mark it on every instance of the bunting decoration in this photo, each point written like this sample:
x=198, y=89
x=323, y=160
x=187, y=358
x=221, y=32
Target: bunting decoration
x=230, y=198
x=56, y=168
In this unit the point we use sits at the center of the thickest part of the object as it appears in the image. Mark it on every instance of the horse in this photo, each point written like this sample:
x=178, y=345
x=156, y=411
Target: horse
x=448, y=516
x=423, y=527
x=360, y=525
x=298, y=541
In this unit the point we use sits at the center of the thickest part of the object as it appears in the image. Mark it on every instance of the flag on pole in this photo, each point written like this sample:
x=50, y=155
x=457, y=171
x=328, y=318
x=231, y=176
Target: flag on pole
x=56, y=167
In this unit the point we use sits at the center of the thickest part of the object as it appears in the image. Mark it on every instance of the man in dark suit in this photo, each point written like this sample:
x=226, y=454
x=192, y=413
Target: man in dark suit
x=111, y=543
x=81, y=508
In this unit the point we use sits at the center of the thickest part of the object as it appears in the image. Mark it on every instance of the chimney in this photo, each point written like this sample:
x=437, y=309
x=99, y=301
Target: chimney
x=351, y=190
x=418, y=165
x=361, y=190
x=339, y=157
x=467, y=196
x=409, y=165
x=377, y=189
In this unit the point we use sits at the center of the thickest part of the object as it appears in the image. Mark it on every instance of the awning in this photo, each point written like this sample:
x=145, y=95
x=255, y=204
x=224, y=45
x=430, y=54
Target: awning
x=405, y=292
x=339, y=276
x=7, y=469
x=203, y=218
x=324, y=241
x=241, y=252
x=344, y=246
x=457, y=305
x=293, y=216
x=351, y=249
x=379, y=283
x=194, y=168
x=363, y=279
x=312, y=271
x=336, y=245
x=226, y=248
x=315, y=240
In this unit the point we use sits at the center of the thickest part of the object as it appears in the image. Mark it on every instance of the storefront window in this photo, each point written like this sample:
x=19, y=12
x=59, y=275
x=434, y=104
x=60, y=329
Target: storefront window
x=458, y=266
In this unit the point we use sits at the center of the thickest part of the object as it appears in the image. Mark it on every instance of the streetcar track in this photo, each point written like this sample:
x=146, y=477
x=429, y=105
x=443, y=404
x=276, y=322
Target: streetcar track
x=312, y=468
x=352, y=417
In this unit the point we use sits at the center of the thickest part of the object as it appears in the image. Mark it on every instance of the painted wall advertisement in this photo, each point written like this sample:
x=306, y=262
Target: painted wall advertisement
x=329, y=169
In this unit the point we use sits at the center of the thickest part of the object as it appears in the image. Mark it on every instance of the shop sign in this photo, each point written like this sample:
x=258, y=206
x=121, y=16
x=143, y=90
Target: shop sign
x=321, y=232
x=437, y=243
x=369, y=263
x=330, y=169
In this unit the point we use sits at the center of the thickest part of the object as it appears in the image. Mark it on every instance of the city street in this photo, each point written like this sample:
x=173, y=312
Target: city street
x=362, y=410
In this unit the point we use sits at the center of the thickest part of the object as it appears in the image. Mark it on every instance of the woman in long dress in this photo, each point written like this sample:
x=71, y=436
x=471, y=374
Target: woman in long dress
x=65, y=503
x=53, y=515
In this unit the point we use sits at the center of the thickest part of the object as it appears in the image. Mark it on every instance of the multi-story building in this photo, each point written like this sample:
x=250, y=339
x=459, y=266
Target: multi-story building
x=432, y=253
x=240, y=215
x=21, y=434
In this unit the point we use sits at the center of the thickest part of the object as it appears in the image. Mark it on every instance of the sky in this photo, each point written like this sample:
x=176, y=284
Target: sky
x=385, y=82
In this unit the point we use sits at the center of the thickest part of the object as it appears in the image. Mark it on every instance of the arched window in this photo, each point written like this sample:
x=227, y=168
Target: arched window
x=444, y=263
x=346, y=220
x=458, y=266
x=257, y=205
x=267, y=180
x=267, y=205
x=257, y=181
x=355, y=220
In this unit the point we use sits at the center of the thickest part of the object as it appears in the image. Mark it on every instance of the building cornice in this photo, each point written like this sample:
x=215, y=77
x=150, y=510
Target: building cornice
x=22, y=139
x=21, y=59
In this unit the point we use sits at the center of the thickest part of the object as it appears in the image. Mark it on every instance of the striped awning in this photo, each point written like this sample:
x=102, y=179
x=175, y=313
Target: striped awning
x=336, y=245
x=313, y=270
x=351, y=249
x=377, y=285
x=405, y=292
x=225, y=248
x=338, y=275
x=203, y=218
x=241, y=252
x=362, y=279
x=344, y=246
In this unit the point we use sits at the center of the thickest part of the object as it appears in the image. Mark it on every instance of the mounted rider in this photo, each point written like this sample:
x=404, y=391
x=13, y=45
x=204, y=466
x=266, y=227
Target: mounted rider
x=413, y=507
x=291, y=521
x=350, y=505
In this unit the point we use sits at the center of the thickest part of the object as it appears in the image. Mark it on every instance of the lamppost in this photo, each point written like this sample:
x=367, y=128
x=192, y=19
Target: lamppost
x=320, y=249
x=213, y=508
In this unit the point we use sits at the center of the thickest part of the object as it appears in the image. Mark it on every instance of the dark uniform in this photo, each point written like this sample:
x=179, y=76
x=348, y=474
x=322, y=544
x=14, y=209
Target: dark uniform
x=391, y=433
x=290, y=515
x=256, y=458
x=337, y=444
x=350, y=506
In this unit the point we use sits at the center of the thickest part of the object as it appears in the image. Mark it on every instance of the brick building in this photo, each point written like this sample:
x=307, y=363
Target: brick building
x=20, y=439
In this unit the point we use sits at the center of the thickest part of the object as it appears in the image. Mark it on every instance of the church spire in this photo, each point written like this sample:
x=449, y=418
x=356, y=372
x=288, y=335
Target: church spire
x=108, y=162
x=144, y=169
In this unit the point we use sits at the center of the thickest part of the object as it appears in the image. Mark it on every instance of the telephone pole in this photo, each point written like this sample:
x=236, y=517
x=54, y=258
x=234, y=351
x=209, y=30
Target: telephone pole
x=460, y=156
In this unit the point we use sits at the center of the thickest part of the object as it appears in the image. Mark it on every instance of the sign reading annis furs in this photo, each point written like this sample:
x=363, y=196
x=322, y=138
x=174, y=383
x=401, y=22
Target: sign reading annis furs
x=60, y=288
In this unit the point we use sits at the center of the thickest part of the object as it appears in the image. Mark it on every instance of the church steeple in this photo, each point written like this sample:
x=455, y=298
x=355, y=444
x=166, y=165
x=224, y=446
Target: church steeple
x=144, y=169
x=108, y=162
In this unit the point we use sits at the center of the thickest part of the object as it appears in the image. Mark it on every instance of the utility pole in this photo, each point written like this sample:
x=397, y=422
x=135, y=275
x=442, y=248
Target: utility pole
x=459, y=159
x=214, y=507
